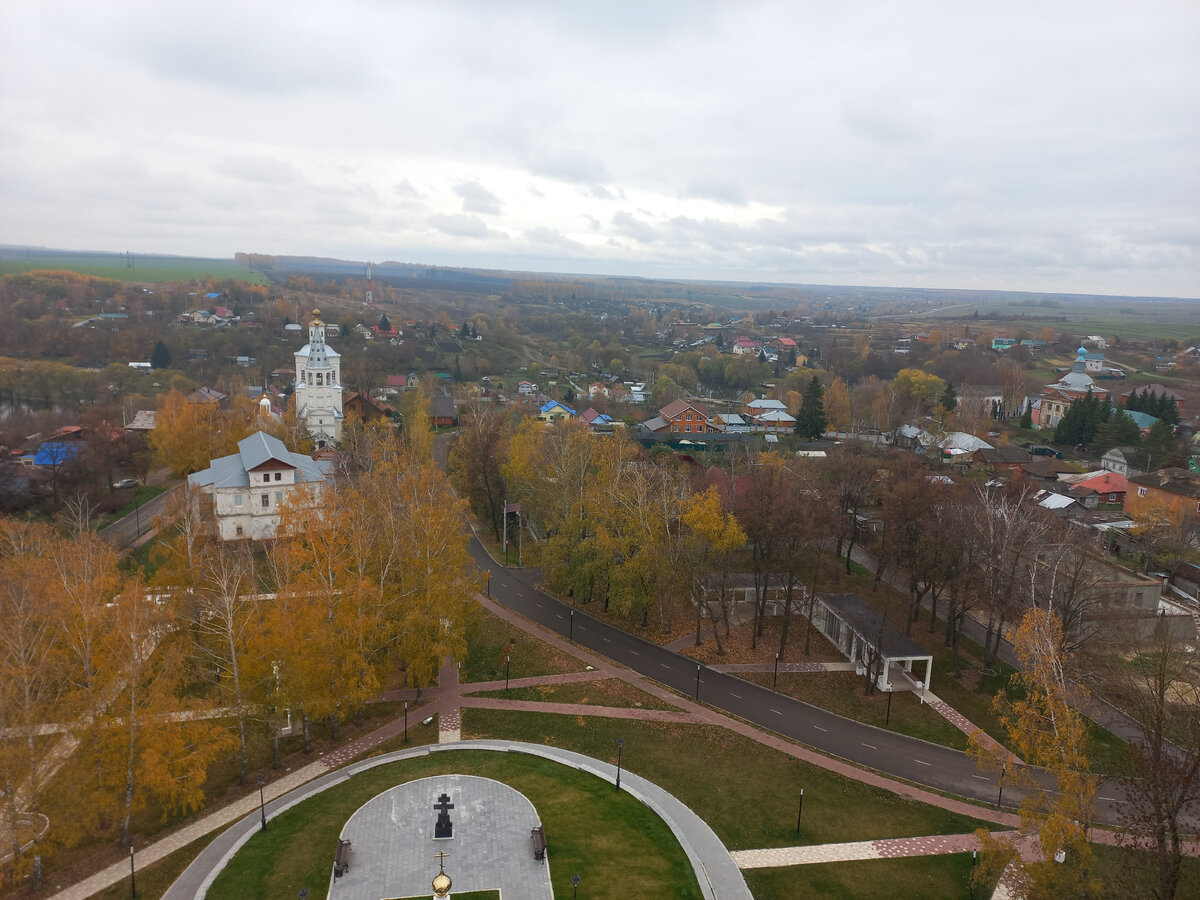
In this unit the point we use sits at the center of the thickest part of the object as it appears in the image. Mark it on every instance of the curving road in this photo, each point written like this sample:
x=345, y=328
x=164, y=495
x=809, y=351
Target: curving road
x=911, y=759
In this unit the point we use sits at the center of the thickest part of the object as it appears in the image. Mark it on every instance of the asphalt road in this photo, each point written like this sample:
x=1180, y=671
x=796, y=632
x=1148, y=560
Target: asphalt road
x=124, y=532
x=908, y=758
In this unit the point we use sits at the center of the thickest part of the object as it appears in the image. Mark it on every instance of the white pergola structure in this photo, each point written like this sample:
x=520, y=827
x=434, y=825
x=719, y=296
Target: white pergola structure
x=860, y=633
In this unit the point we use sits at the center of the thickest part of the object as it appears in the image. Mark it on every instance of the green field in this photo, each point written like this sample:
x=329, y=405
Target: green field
x=1127, y=318
x=155, y=269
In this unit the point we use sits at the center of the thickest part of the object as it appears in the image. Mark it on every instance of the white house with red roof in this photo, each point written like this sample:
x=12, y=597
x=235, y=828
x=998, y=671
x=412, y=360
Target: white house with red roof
x=745, y=346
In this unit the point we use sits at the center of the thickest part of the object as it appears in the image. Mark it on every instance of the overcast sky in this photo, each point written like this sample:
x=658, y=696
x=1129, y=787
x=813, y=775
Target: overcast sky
x=1044, y=146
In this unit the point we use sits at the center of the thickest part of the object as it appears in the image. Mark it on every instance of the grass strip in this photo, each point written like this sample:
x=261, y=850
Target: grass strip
x=746, y=791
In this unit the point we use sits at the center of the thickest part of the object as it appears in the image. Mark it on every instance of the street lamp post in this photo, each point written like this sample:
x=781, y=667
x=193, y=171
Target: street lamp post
x=406, y=721
x=575, y=879
x=775, y=680
x=262, y=803
x=888, y=718
x=620, y=747
x=571, y=631
x=800, y=812
x=132, y=877
x=507, y=670
x=1003, y=772
x=697, y=682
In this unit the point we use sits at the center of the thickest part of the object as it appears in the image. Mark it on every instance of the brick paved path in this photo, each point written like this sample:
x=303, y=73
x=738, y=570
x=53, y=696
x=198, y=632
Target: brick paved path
x=963, y=724
x=891, y=848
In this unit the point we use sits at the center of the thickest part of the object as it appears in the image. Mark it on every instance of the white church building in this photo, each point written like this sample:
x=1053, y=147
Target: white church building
x=251, y=486
x=318, y=396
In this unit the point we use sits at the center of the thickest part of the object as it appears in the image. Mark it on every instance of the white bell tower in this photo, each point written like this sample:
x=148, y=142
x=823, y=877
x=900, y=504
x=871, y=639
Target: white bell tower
x=319, y=385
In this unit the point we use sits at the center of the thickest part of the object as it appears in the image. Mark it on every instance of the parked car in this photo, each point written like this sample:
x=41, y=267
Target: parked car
x=125, y=483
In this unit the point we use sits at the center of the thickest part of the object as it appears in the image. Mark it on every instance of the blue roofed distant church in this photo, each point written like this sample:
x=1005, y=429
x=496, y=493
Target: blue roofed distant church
x=318, y=396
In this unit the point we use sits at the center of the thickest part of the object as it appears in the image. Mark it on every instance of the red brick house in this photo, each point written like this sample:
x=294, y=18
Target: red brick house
x=685, y=417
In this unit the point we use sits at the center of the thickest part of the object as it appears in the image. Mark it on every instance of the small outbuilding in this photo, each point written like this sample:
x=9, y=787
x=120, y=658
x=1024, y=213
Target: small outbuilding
x=867, y=639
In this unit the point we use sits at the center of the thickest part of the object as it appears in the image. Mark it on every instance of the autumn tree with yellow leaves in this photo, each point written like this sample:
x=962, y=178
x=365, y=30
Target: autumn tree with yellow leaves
x=1048, y=732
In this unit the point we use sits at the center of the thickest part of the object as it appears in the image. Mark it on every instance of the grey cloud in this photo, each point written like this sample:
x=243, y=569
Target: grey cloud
x=460, y=225
x=715, y=189
x=628, y=226
x=477, y=198
x=406, y=191
x=550, y=237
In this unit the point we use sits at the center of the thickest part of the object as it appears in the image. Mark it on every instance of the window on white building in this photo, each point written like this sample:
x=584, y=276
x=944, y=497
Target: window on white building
x=279, y=496
x=279, y=476
x=266, y=476
x=266, y=501
x=237, y=499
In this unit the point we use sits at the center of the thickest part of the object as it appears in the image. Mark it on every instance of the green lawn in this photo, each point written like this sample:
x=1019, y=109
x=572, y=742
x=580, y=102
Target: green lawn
x=145, y=269
x=747, y=792
x=842, y=693
x=912, y=878
x=154, y=880
x=620, y=847
x=488, y=647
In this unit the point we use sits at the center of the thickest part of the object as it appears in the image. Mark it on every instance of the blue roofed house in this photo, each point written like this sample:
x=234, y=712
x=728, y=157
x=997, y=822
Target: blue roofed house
x=57, y=453
x=250, y=487
x=553, y=411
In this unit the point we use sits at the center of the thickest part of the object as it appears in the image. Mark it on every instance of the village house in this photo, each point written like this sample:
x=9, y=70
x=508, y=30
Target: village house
x=553, y=411
x=250, y=487
x=1109, y=487
x=596, y=421
x=1168, y=497
x=443, y=412
x=1001, y=457
x=1155, y=388
x=744, y=346
x=367, y=409
x=1122, y=460
x=527, y=388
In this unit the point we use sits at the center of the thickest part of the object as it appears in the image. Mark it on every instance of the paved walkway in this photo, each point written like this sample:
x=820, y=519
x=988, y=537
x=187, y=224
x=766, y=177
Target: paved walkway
x=891, y=848
x=967, y=727
x=393, y=844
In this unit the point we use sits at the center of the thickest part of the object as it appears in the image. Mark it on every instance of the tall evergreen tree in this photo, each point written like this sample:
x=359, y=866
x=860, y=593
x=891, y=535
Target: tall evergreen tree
x=1119, y=431
x=811, y=421
x=1027, y=416
x=385, y=324
x=160, y=356
x=949, y=398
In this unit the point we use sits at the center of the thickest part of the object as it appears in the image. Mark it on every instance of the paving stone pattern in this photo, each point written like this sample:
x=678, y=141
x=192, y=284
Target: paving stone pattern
x=393, y=847
x=892, y=848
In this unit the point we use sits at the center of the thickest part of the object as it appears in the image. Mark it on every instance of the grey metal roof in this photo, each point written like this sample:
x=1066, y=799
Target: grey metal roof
x=866, y=622
x=254, y=451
